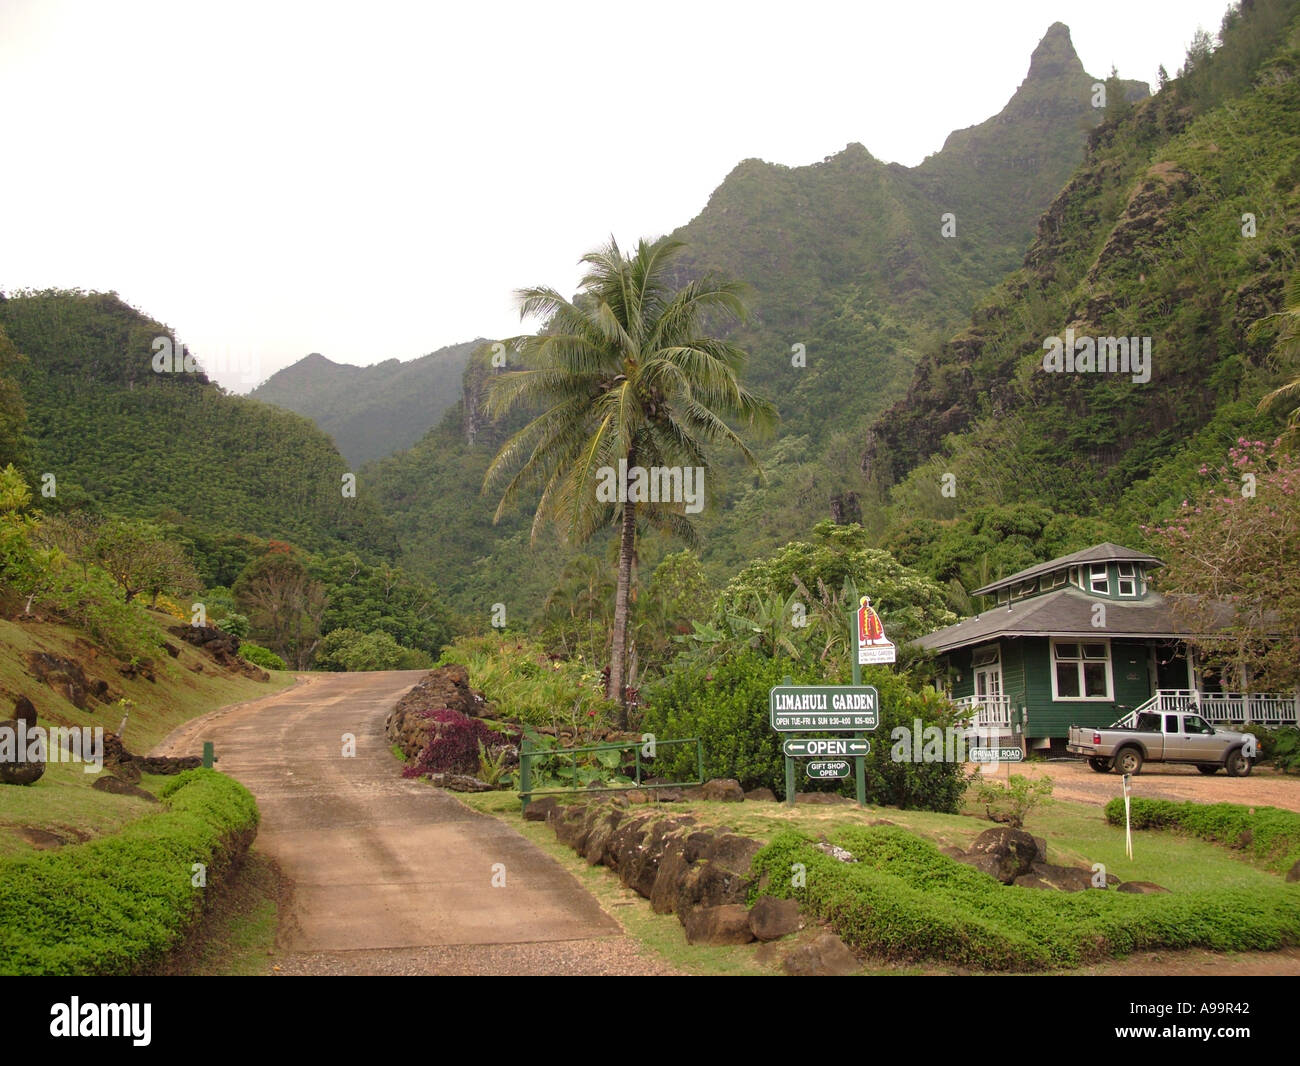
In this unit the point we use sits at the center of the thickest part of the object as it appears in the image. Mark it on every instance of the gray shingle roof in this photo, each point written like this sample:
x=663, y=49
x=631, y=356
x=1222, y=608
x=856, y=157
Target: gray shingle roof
x=1066, y=612
x=1098, y=553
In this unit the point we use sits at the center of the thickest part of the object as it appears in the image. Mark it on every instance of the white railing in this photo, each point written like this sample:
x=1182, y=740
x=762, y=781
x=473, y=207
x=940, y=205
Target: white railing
x=1255, y=708
x=986, y=711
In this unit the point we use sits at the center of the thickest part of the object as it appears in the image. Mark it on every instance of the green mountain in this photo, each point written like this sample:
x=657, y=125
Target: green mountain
x=116, y=434
x=1179, y=231
x=860, y=261
x=370, y=411
x=847, y=258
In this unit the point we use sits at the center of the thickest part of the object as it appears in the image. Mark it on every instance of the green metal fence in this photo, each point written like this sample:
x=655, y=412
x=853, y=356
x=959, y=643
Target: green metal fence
x=528, y=756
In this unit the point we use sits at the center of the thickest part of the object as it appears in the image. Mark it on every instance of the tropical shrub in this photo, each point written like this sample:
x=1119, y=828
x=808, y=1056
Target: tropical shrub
x=726, y=705
x=456, y=742
x=350, y=649
x=260, y=656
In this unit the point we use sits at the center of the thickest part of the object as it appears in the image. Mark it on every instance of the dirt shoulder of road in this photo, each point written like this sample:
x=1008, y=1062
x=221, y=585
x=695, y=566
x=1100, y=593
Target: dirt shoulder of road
x=1074, y=780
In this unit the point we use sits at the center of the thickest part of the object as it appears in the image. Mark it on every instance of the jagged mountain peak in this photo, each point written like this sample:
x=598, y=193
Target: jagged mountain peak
x=1055, y=56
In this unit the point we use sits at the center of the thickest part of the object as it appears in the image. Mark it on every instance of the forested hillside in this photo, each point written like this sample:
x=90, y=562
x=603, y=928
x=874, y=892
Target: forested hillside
x=370, y=411
x=1181, y=227
x=115, y=434
x=847, y=260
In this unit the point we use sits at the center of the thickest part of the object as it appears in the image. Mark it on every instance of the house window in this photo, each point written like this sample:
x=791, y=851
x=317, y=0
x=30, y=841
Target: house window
x=1004, y=595
x=1098, y=580
x=1055, y=581
x=1074, y=576
x=1127, y=579
x=1081, y=670
x=1024, y=588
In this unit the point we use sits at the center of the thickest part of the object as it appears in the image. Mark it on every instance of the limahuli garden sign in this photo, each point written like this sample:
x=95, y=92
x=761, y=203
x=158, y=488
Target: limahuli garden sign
x=833, y=709
x=825, y=709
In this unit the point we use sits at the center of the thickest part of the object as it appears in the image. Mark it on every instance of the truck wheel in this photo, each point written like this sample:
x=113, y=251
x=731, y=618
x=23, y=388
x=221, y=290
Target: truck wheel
x=1129, y=761
x=1102, y=766
x=1207, y=770
x=1238, y=765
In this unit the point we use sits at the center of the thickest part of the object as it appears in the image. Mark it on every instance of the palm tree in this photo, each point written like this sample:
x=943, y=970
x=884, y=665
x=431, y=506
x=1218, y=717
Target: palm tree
x=1286, y=348
x=625, y=371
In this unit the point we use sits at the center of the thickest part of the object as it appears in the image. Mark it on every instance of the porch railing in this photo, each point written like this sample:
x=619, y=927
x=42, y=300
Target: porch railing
x=985, y=711
x=1248, y=708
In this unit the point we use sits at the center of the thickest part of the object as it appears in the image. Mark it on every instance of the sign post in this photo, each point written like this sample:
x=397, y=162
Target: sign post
x=825, y=709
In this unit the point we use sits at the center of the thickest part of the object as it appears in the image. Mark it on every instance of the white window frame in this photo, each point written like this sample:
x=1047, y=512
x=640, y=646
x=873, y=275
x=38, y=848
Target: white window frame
x=1109, y=697
x=1076, y=576
x=1131, y=577
x=1092, y=579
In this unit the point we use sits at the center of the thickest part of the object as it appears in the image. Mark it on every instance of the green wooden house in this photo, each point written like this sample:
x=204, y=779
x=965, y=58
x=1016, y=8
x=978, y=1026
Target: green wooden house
x=1082, y=640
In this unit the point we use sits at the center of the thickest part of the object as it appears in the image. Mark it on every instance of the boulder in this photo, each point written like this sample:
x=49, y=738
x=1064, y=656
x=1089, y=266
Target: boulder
x=67, y=678
x=639, y=871
x=698, y=845
x=1141, y=888
x=723, y=790
x=771, y=918
x=128, y=772
x=835, y=851
x=25, y=711
x=221, y=647
x=669, y=874
x=823, y=798
x=1293, y=874
x=1014, y=850
x=598, y=837
x=538, y=809
x=445, y=687
x=1062, y=878
x=827, y=956
x=706, y=884
x=15, y=768
x=727, y=924
x=118, y=787
x=760, y=795
x=733, y=852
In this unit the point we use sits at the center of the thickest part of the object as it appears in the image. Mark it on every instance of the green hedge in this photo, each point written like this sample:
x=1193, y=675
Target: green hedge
x=117, y=904
x=1274, y=833
x=260, y=656
x=905, y=900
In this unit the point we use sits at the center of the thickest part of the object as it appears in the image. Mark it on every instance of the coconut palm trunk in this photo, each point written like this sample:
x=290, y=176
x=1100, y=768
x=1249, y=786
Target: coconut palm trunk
x=622, y=598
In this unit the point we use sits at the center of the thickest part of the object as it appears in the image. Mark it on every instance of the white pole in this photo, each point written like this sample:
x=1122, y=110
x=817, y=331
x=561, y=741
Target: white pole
x=1128, y=821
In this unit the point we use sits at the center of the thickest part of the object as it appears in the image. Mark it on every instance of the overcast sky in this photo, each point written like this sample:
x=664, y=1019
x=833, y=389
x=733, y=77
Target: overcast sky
x=373, y=180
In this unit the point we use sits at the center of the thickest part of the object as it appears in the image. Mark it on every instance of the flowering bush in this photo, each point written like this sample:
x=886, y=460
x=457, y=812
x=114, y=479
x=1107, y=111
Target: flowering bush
x=453, y=746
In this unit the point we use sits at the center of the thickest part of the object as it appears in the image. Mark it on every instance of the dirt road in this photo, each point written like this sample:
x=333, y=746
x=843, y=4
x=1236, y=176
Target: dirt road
x=1073, y=780
x=386, y=875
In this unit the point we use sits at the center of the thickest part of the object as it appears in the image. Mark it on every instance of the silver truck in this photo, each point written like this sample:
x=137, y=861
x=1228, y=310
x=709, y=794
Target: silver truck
x=1165, y=737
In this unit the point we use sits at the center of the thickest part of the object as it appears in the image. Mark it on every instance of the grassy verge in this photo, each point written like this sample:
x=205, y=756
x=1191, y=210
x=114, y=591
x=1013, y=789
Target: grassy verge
x=1226, y=901
x=1270, y=835
x=905, y=900
x=62, y=802
x=118, y=904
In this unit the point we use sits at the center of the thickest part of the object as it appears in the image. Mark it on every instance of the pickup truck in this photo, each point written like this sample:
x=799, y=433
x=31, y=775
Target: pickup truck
x=1181, y=737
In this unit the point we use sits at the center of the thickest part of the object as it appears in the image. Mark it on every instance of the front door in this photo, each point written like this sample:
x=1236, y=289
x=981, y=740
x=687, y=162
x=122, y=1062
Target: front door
x=988, y=688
